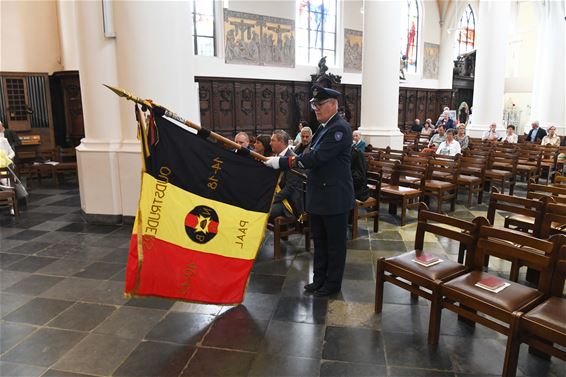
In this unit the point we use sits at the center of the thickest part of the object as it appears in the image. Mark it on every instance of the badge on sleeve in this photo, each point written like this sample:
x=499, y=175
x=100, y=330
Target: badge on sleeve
x=338, y=135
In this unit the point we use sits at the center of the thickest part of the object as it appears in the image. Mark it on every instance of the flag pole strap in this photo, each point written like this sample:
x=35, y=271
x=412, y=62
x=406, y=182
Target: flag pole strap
x=168, y=113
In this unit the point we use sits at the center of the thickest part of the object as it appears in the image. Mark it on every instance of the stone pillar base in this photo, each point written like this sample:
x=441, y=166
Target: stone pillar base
x=383, y=138
x=109, y=177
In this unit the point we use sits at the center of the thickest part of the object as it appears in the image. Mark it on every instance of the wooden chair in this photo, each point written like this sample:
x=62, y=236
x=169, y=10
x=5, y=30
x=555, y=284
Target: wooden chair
x=502, y=168
x=442, y=182
x=529, y=163
x=283, y=226
x=410, y=140
x=542, y=326
x=370, y=205
x=536, y=191
x=8, y=193
x=67, y=159
x=559, y=179
x=40, y=169
x=407, y=195
x=422, y=281
x=554, y=220
x=463, y=297
x=472, y=177
x=549, y=160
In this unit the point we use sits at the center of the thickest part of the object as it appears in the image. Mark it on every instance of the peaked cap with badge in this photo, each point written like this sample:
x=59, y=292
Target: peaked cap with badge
x=320, y=93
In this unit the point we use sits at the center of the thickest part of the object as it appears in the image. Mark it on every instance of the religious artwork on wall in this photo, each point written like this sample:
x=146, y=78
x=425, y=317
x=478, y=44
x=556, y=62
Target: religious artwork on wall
x=352, y=50
x=431, y=55
x=258, y=40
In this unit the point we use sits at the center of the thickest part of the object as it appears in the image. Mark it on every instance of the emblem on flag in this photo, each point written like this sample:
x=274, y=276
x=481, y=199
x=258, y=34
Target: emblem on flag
x=201, y=224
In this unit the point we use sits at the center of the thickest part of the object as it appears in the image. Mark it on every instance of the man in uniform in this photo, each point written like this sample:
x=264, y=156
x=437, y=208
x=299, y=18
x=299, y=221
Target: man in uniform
x=330, y=191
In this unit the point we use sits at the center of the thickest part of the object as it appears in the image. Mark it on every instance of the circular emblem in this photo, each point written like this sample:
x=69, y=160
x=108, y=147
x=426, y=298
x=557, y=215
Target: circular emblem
x=338, y=136
x=201, y=224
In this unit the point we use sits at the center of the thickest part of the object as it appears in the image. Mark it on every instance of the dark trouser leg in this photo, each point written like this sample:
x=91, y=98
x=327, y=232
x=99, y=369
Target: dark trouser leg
x=336, y=238
x=320, y=248
x=277, y=209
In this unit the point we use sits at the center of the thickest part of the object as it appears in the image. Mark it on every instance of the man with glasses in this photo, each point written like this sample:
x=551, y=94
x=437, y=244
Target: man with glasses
x=330, y=191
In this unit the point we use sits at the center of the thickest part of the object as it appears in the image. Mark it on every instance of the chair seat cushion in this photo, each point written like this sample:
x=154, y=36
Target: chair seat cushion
x=510, y=299
x=438, y=271
x=549, y=314
x=399, y=190
x=497, y=173
x=435, y=184
x=467, y=179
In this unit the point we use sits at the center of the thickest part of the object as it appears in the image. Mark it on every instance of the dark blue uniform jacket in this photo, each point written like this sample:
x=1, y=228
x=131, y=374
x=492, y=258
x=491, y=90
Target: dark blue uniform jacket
x=330, y=189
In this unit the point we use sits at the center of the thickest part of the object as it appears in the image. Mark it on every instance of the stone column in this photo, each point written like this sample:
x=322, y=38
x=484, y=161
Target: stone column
x=446, y=58
x=154, y=49
x=489, y=83
x=549, y=98
x=99, y=178
x=380, y=75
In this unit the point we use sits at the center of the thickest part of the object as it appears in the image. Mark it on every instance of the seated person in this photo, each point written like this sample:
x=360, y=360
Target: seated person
x=491, y=134
x=7, y=148
x=302, y=124
x=536, y=133
x=262, y=145
x=243, y=139
x=449, y=147
x=359, y=169
x=359, y=143
x=446, y=121
x=551, y=138
x=436, y=140
x=306, y=138
x=511, y=136
x=288, y=200
x=427, y=128
x=11, y=136
x=416, y=127
x=461, y=136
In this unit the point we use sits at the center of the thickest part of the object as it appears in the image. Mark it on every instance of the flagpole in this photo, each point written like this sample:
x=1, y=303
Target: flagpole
x=168, y=113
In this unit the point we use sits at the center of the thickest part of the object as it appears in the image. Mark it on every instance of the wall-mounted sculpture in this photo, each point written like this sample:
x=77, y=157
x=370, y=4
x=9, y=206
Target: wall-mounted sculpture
x=431, y=56
x=258, y=40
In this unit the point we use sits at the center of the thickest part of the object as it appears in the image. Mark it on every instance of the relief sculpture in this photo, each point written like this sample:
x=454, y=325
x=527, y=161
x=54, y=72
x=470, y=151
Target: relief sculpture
x=352, y=50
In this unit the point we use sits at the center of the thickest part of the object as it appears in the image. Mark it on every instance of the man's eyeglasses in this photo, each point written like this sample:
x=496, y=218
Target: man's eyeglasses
x=317, y=104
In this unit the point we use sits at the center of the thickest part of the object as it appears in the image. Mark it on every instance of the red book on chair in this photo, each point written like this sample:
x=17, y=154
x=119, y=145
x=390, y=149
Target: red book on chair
x=491, y=283
x=426, y=260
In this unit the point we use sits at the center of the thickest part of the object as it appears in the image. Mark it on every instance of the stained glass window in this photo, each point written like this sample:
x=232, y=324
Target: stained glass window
x=204, y=27
x=466, y=31
x=316, y=31
x=410, y=34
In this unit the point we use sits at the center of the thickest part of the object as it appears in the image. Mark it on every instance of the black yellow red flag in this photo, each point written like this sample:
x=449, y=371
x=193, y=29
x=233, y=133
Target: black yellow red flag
x=202, y=213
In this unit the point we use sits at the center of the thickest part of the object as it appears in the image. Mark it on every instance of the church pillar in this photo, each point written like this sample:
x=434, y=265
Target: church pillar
x=489, y=83
x=154, y=49
x=98, y=170
x=549, y=98
x=380, y=76
x=446, y=58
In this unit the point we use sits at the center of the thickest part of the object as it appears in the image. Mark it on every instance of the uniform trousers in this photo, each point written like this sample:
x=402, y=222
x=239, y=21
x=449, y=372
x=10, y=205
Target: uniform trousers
x=329, y=234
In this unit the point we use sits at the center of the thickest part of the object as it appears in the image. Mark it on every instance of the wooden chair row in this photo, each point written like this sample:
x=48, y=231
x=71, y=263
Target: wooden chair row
x=7, y=192
x=451, y=285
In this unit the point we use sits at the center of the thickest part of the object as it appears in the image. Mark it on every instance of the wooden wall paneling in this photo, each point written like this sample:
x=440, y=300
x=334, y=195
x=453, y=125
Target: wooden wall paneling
x=432, y=106
x=352, y=102
x=401, y=117
x=411, y=110
x=421, y=105
x=205, y=101
x=244, y=106
x=445, y=100
x=265, y=99
x=302, y=95
x=284, y=108
x=223, y=106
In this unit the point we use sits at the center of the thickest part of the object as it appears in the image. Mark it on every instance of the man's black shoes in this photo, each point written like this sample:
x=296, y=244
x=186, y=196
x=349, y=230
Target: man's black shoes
x=314, y=286
x=323, y=292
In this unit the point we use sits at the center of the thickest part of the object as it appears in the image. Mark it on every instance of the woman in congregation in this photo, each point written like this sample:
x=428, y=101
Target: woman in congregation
x=449, y=147
x=511, y=136
x=427, y=128
x=461, y=136
x=551, y=138
x=262, y=145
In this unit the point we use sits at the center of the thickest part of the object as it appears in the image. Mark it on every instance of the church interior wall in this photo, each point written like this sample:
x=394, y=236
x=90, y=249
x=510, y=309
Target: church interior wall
x=30, y=37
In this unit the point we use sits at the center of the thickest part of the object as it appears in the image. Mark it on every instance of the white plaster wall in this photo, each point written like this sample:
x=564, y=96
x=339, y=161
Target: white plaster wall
x=353, y=17
x=30, y=36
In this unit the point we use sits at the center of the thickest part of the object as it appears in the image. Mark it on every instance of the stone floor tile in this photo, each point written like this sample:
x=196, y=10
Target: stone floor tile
x=130, y=322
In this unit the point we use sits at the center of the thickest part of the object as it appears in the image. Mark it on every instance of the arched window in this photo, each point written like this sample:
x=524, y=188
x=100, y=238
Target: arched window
x=316, y=31
x=204, y=34
x=466, y=31
x=410, y=18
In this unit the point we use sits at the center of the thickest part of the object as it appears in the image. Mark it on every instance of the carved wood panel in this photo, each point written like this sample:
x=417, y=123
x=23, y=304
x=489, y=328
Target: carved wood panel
x=352, y=105
x=432, y=106
x=245, y=105
x=265, y=105
x=402, y=107
x=411, y=110
x=205, y=100
x=223, y=106
x=421, y=105
x=284, y=107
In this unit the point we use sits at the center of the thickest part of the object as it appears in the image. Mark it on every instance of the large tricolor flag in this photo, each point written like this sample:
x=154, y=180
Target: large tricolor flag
x=202, y=214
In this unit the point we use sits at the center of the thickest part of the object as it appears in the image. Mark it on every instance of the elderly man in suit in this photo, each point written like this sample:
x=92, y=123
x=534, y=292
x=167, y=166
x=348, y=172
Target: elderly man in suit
x=330, y=191
x=288, y=200
x=536, y=133
x=359, y=143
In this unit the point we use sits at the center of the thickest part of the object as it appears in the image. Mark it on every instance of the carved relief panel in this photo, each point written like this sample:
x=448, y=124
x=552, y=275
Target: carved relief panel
x=245, y=105
x=205, y=100
x=223, y=106
x=265, y=98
